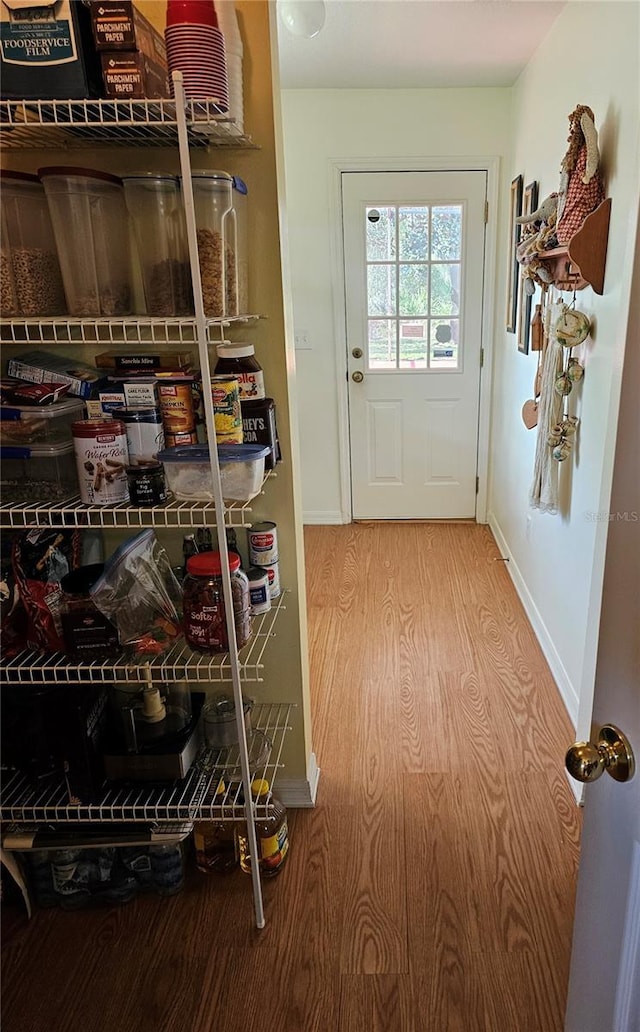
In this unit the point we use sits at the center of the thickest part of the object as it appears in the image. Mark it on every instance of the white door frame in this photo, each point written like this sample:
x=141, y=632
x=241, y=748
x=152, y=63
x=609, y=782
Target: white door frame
x=490, y=165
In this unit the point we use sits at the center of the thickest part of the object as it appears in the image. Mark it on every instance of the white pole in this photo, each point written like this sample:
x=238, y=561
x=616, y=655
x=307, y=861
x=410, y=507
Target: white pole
x=203, y=351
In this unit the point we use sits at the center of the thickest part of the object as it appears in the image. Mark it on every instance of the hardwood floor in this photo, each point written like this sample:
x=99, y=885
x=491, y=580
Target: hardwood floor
x=432, y=888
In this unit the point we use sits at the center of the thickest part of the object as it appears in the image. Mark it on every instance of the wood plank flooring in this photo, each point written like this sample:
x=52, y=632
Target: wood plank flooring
x=432, y=888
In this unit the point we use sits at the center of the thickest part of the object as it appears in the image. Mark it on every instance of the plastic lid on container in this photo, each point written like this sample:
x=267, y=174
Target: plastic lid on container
x=185, y=453
x=212, y=174
x=137, y=414
x=36, y=451
x=229, y=350
x=240, y=185
x=150, y=176
x=208, y=564
x=81, y=173
x=260, y=787
x=144, y=468
x=99, y=427
x=23, y=177
x=58, y=408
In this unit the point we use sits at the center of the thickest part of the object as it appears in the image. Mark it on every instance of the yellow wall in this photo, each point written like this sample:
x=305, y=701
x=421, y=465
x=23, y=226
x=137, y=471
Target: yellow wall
x=286, y=675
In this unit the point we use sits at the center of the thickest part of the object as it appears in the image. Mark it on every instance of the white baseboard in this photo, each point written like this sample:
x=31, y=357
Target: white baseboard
x=563, y=681
x=298, y=793
x=322, y=517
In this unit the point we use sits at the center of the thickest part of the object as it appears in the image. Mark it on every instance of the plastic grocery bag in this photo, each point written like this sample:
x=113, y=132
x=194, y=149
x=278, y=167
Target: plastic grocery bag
x=140, y=594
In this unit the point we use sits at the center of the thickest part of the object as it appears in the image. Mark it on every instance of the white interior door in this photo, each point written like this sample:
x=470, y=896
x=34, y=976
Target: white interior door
x=604, y=987
x=414, y=267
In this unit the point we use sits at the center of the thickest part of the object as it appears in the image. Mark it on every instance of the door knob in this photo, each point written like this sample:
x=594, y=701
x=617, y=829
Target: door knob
x=613, y=753
x=357, y=352
x=357, y=377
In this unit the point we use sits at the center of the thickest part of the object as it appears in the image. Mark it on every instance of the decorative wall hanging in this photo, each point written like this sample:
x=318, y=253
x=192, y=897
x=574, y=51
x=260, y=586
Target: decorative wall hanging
x=515, y=207
x=544, y=487
x=529, y=205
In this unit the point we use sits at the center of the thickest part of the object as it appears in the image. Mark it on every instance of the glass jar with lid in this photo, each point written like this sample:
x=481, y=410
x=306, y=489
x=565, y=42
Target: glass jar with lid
x=154, y=203
x=240, y=360
x=205, y=627
x=216, y=235
x=30, y=280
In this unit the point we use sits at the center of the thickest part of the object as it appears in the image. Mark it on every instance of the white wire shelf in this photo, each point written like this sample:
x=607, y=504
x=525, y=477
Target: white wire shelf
x=130, y=123
x=133, y=329
x=71, y=512
x=32, y=667
x=186, y=800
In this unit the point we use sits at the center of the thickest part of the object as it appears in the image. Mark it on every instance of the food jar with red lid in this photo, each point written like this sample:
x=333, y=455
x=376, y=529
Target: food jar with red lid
x=205, y=627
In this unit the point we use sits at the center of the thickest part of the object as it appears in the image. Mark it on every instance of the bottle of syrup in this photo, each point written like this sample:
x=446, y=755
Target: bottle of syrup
x=272, y=832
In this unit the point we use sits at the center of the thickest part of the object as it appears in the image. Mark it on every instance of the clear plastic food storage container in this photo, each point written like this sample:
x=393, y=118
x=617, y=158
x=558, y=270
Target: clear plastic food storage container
x=41, y=473
x=30, y=280
x=216, y=233
x=91, y=228
x=39, y=424
x=189, y=472
x=155, y=206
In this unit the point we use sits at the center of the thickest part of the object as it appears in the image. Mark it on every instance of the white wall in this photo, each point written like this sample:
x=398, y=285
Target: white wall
x=321, y=126
x=589, y=57
x=557, y=561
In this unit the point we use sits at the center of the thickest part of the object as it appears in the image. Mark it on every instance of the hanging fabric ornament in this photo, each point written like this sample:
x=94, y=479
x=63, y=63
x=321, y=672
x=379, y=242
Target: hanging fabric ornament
x=575, y=371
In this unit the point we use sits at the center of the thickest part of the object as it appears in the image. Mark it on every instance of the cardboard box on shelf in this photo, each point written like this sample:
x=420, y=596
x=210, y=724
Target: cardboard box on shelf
x=133, y=52
x=47, y=50
x=132, y=75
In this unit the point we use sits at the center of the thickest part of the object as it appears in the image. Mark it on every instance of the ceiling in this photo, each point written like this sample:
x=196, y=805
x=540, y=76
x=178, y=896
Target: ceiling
x=401, y=44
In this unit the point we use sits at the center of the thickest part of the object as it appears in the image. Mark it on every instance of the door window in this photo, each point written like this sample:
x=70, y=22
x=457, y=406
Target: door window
x=414, y=277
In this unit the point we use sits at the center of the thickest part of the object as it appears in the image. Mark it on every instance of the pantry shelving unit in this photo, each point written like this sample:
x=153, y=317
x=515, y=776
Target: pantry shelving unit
x=141, y=330
x=145, y=123
x=71, y=512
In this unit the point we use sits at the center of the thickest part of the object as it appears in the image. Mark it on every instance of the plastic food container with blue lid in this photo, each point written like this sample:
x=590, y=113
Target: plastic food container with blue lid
x=189, y=476
x=38, y=473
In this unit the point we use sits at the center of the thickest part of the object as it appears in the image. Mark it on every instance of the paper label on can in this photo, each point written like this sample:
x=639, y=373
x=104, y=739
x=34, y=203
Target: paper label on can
x=101, y=462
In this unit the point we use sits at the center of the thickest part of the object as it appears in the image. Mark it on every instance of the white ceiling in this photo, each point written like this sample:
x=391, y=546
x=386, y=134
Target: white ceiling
x=396, y=44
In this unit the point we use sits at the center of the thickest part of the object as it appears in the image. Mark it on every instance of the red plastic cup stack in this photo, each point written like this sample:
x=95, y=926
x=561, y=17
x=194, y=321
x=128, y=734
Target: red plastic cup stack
x=195, y=47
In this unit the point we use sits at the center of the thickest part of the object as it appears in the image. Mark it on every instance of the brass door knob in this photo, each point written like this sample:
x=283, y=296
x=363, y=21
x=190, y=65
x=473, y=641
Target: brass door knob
x=357, y=352
x=357, y=377
x=613, y=753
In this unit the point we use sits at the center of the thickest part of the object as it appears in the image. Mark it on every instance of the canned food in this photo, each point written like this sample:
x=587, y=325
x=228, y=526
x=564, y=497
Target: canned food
x=263, y=544
x=184, y=437
x=259, y=590
x=273, y=573
x=225, y=392
x=101, y=452
x=176, y=406
x=145, y=435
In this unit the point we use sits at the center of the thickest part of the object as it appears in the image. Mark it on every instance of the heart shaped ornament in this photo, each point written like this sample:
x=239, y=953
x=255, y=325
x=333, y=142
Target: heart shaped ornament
x=530, y=414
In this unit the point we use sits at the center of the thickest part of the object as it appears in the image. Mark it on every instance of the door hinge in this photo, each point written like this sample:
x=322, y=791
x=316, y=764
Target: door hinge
x=486, y=211
x=477, y=484
x=481, y=357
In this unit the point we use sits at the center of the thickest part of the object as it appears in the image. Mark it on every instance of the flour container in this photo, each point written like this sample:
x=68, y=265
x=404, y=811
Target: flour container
x=216, y=235
x=155, y=206
x=30, y=280
x=91, y=229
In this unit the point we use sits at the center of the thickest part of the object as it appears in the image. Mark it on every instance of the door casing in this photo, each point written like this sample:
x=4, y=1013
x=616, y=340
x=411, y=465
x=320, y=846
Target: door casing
x=490, y=165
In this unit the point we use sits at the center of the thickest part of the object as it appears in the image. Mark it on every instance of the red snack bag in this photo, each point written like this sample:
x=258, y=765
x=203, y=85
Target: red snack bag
x=41, y=558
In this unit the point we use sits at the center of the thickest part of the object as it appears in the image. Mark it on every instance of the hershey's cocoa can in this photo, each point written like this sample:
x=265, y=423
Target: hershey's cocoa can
x=263, y=544
x=259, y=590
x=101, y=459
x=273, y=573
